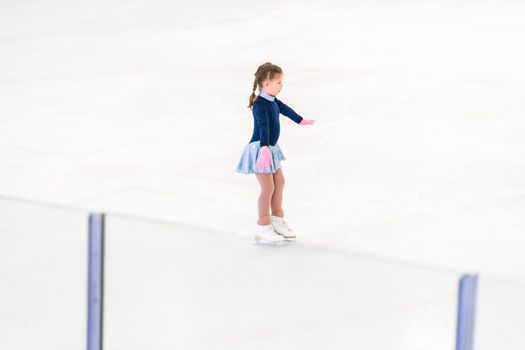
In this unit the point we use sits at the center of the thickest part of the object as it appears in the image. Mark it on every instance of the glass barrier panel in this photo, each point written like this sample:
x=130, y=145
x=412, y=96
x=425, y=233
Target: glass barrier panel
x=500, y=314
x=43, y=260
x=171, y=287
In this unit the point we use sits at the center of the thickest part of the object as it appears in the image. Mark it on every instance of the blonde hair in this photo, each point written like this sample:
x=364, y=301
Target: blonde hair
x=265, y=71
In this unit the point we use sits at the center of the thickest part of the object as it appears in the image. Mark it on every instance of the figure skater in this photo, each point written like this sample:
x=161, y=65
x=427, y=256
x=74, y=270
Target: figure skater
x=262, y=155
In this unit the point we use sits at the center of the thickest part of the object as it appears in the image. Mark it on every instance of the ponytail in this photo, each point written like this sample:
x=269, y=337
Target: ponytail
x=253, y=97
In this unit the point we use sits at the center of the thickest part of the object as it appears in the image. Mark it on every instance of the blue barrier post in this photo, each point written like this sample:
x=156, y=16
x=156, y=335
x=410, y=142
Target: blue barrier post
x=468, y=285
x=95, y=281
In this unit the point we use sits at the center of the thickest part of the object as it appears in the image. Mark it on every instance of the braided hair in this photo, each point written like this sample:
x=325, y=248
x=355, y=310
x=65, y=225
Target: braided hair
x=265, y=71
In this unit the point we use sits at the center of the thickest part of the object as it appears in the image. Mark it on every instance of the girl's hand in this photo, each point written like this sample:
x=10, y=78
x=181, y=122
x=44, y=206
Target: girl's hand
x=265, y=158
x=307, y=122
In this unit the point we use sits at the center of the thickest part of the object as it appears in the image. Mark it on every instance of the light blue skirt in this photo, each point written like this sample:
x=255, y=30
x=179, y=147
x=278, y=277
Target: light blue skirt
x=248, y=162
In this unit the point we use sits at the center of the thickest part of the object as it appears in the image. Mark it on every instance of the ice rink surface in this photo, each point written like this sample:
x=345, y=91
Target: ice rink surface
x=413, y=173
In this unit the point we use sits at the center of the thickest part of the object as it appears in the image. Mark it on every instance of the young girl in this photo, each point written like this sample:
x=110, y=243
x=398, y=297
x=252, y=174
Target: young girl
x=262, y=155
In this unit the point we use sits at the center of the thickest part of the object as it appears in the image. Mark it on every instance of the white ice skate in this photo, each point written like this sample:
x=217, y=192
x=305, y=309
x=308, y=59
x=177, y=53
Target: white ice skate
x=281, y=228
x=265, y=233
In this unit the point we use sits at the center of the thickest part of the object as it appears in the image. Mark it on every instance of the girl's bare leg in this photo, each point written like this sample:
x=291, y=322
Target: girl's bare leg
x=265, y=198
x=277, y=197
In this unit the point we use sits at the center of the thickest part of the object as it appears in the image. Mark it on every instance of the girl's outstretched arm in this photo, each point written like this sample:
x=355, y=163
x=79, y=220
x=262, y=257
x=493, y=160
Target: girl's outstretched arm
x=290, y=113
x=287, y=111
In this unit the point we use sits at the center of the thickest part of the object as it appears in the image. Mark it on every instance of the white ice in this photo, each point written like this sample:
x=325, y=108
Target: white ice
x=416, y=162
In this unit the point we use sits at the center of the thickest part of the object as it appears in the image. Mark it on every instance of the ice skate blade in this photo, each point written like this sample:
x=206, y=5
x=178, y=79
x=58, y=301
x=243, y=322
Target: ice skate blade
x=291, y=239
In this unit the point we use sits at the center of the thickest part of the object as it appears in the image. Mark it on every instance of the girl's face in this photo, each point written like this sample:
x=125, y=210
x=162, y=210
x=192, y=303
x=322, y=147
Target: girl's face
x=273, y=86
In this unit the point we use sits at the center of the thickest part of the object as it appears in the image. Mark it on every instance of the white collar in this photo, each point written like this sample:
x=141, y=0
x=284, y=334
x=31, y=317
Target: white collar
x=266, y=96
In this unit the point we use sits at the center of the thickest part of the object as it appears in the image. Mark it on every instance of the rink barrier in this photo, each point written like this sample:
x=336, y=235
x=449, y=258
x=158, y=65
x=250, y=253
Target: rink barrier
x=467, y=295
x=96, y=223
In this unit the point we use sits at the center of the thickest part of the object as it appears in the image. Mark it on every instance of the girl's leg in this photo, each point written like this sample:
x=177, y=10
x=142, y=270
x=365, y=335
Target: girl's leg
x=277, y=197
x=265, y=198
